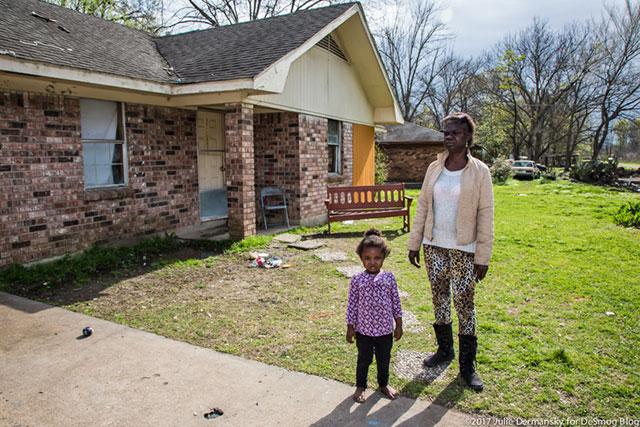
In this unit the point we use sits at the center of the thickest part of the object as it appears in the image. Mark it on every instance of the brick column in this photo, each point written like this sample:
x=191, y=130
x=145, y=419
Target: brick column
x=347, y=153
x=240, y=170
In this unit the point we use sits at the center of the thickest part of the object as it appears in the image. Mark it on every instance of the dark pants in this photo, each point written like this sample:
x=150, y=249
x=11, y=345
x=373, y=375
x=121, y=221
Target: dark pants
x=367, y=347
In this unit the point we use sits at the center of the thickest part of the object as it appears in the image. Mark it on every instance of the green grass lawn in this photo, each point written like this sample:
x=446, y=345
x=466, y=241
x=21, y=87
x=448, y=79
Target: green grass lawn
x=629, y=165
x=557, y=314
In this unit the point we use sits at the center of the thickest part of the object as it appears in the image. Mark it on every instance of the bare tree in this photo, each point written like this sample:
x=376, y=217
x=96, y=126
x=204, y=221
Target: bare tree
x=140, y=14
x=535, y=73
x=455, y=87
x=618, y=73
x=412, y=46
x=214, y=13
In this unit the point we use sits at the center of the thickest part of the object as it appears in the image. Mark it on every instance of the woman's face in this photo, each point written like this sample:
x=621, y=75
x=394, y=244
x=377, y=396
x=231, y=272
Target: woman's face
x=456, y=136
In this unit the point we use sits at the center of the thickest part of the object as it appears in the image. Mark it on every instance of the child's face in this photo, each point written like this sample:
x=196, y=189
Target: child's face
x=372, y=259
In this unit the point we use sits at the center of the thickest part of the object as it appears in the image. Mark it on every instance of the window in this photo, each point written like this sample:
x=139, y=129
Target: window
x=335, y=140
x=102, y=143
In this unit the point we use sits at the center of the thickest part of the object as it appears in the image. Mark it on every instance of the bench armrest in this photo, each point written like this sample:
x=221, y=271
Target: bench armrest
x=327, y=202
x=409, y=200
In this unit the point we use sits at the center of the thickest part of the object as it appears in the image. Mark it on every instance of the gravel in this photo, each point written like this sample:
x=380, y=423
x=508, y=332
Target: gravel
x=408, y=365
x=411, y=323
x=327, y=256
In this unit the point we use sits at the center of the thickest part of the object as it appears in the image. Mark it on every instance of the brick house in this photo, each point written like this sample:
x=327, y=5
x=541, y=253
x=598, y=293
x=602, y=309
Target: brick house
x=410, y=149
x=109, y=134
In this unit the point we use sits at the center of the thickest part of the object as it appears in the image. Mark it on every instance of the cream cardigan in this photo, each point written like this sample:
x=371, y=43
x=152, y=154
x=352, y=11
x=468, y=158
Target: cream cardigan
x=475, y=209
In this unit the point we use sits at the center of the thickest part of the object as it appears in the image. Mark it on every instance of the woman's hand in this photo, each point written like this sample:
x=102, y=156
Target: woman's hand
x=479, y=271
x=414, y=258
x=397, y=332
x=351, y=333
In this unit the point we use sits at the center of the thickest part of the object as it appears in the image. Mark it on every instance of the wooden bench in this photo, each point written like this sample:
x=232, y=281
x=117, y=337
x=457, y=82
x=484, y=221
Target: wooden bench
x=367, y=201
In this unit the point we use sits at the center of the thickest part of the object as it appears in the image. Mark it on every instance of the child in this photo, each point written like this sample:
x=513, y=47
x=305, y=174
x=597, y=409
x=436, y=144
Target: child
x=372, y=307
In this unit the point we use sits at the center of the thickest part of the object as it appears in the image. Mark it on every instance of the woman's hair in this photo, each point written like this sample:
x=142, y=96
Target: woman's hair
x=373, y=239
x=463, y=118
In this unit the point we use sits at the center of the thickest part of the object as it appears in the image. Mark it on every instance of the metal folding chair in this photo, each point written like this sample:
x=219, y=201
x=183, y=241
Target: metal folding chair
x=273, y=192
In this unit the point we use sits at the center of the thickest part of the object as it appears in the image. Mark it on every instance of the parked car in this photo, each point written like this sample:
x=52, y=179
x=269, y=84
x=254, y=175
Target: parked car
x=526, y=169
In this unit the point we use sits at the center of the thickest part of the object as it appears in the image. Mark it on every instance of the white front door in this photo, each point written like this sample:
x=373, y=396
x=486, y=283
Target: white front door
x=213, y=192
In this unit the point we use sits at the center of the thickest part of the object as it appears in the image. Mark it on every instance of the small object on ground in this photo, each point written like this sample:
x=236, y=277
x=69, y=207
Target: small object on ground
x=348, y=222
x=320, y=315
x=266, y=262
x=610, y=313
x=273, y=262
x=307, y=244
x=254, y=255
x=258, y=262
x=288, y=265
x=87, y=331
x=215, y=413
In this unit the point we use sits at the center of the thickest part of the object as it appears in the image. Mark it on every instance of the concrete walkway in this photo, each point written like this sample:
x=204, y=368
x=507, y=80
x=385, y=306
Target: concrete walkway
x=51, y=376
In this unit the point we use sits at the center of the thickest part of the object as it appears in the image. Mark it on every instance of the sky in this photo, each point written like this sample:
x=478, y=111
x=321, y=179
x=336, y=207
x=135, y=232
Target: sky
x=479, y=24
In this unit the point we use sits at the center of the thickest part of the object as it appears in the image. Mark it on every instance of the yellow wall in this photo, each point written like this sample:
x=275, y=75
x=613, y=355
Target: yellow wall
x=363, y=155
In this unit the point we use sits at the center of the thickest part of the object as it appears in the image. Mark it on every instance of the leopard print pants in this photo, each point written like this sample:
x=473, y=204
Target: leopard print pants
x=452, y=269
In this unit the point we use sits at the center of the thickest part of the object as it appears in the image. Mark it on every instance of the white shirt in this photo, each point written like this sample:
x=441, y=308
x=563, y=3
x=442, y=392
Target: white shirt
x=446, y=195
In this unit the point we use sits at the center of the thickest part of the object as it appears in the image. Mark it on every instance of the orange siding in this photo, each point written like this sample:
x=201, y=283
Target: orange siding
x=363, y=155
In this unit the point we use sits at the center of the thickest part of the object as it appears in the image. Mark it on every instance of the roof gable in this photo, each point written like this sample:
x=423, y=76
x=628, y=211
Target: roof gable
x=39, y=31
x=235, y=62
x=64, y=37
x=243, y=50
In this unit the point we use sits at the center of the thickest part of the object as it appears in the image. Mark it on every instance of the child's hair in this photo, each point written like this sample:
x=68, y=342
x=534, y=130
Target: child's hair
x=373, y=239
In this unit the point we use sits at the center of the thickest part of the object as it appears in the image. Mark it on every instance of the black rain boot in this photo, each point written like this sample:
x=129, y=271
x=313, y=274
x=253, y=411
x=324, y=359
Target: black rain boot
x=445, y=352
x=468, y=346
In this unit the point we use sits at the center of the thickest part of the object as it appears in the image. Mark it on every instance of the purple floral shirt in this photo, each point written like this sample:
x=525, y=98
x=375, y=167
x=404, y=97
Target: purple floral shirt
x=373, y=303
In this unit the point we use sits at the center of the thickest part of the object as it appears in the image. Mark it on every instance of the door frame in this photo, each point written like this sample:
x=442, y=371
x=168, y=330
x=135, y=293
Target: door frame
x=224, y=152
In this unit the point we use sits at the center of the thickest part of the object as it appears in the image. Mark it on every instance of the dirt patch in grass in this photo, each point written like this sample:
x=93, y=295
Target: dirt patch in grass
x=222, y=302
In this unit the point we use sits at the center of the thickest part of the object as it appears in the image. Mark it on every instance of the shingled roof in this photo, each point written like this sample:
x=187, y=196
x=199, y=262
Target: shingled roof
x=243, y=50
x=39, y=31
x=409, y=132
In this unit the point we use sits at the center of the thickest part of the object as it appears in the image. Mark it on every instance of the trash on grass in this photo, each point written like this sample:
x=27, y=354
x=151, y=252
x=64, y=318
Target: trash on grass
x=263, y=260
x=320, y=315
x=273, y=263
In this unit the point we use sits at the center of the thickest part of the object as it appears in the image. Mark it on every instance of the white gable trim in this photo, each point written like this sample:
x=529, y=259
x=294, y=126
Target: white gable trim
x=274, y=78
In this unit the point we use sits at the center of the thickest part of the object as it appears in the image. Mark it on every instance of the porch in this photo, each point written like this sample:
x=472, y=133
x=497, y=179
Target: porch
x=258, y=148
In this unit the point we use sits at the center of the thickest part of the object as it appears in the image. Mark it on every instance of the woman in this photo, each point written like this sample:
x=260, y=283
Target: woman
x=454, y=225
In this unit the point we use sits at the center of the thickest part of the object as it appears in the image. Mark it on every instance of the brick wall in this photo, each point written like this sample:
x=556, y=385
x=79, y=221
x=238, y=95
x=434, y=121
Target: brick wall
x=347, y=154
x=409, y=162
x=314, y=166
x=277, y=160
x=240, y=170
x=44, y=209
x=291, y=152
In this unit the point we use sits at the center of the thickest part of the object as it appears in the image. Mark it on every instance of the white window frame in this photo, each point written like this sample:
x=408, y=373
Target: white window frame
x=337, y=145
x=116, y=141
